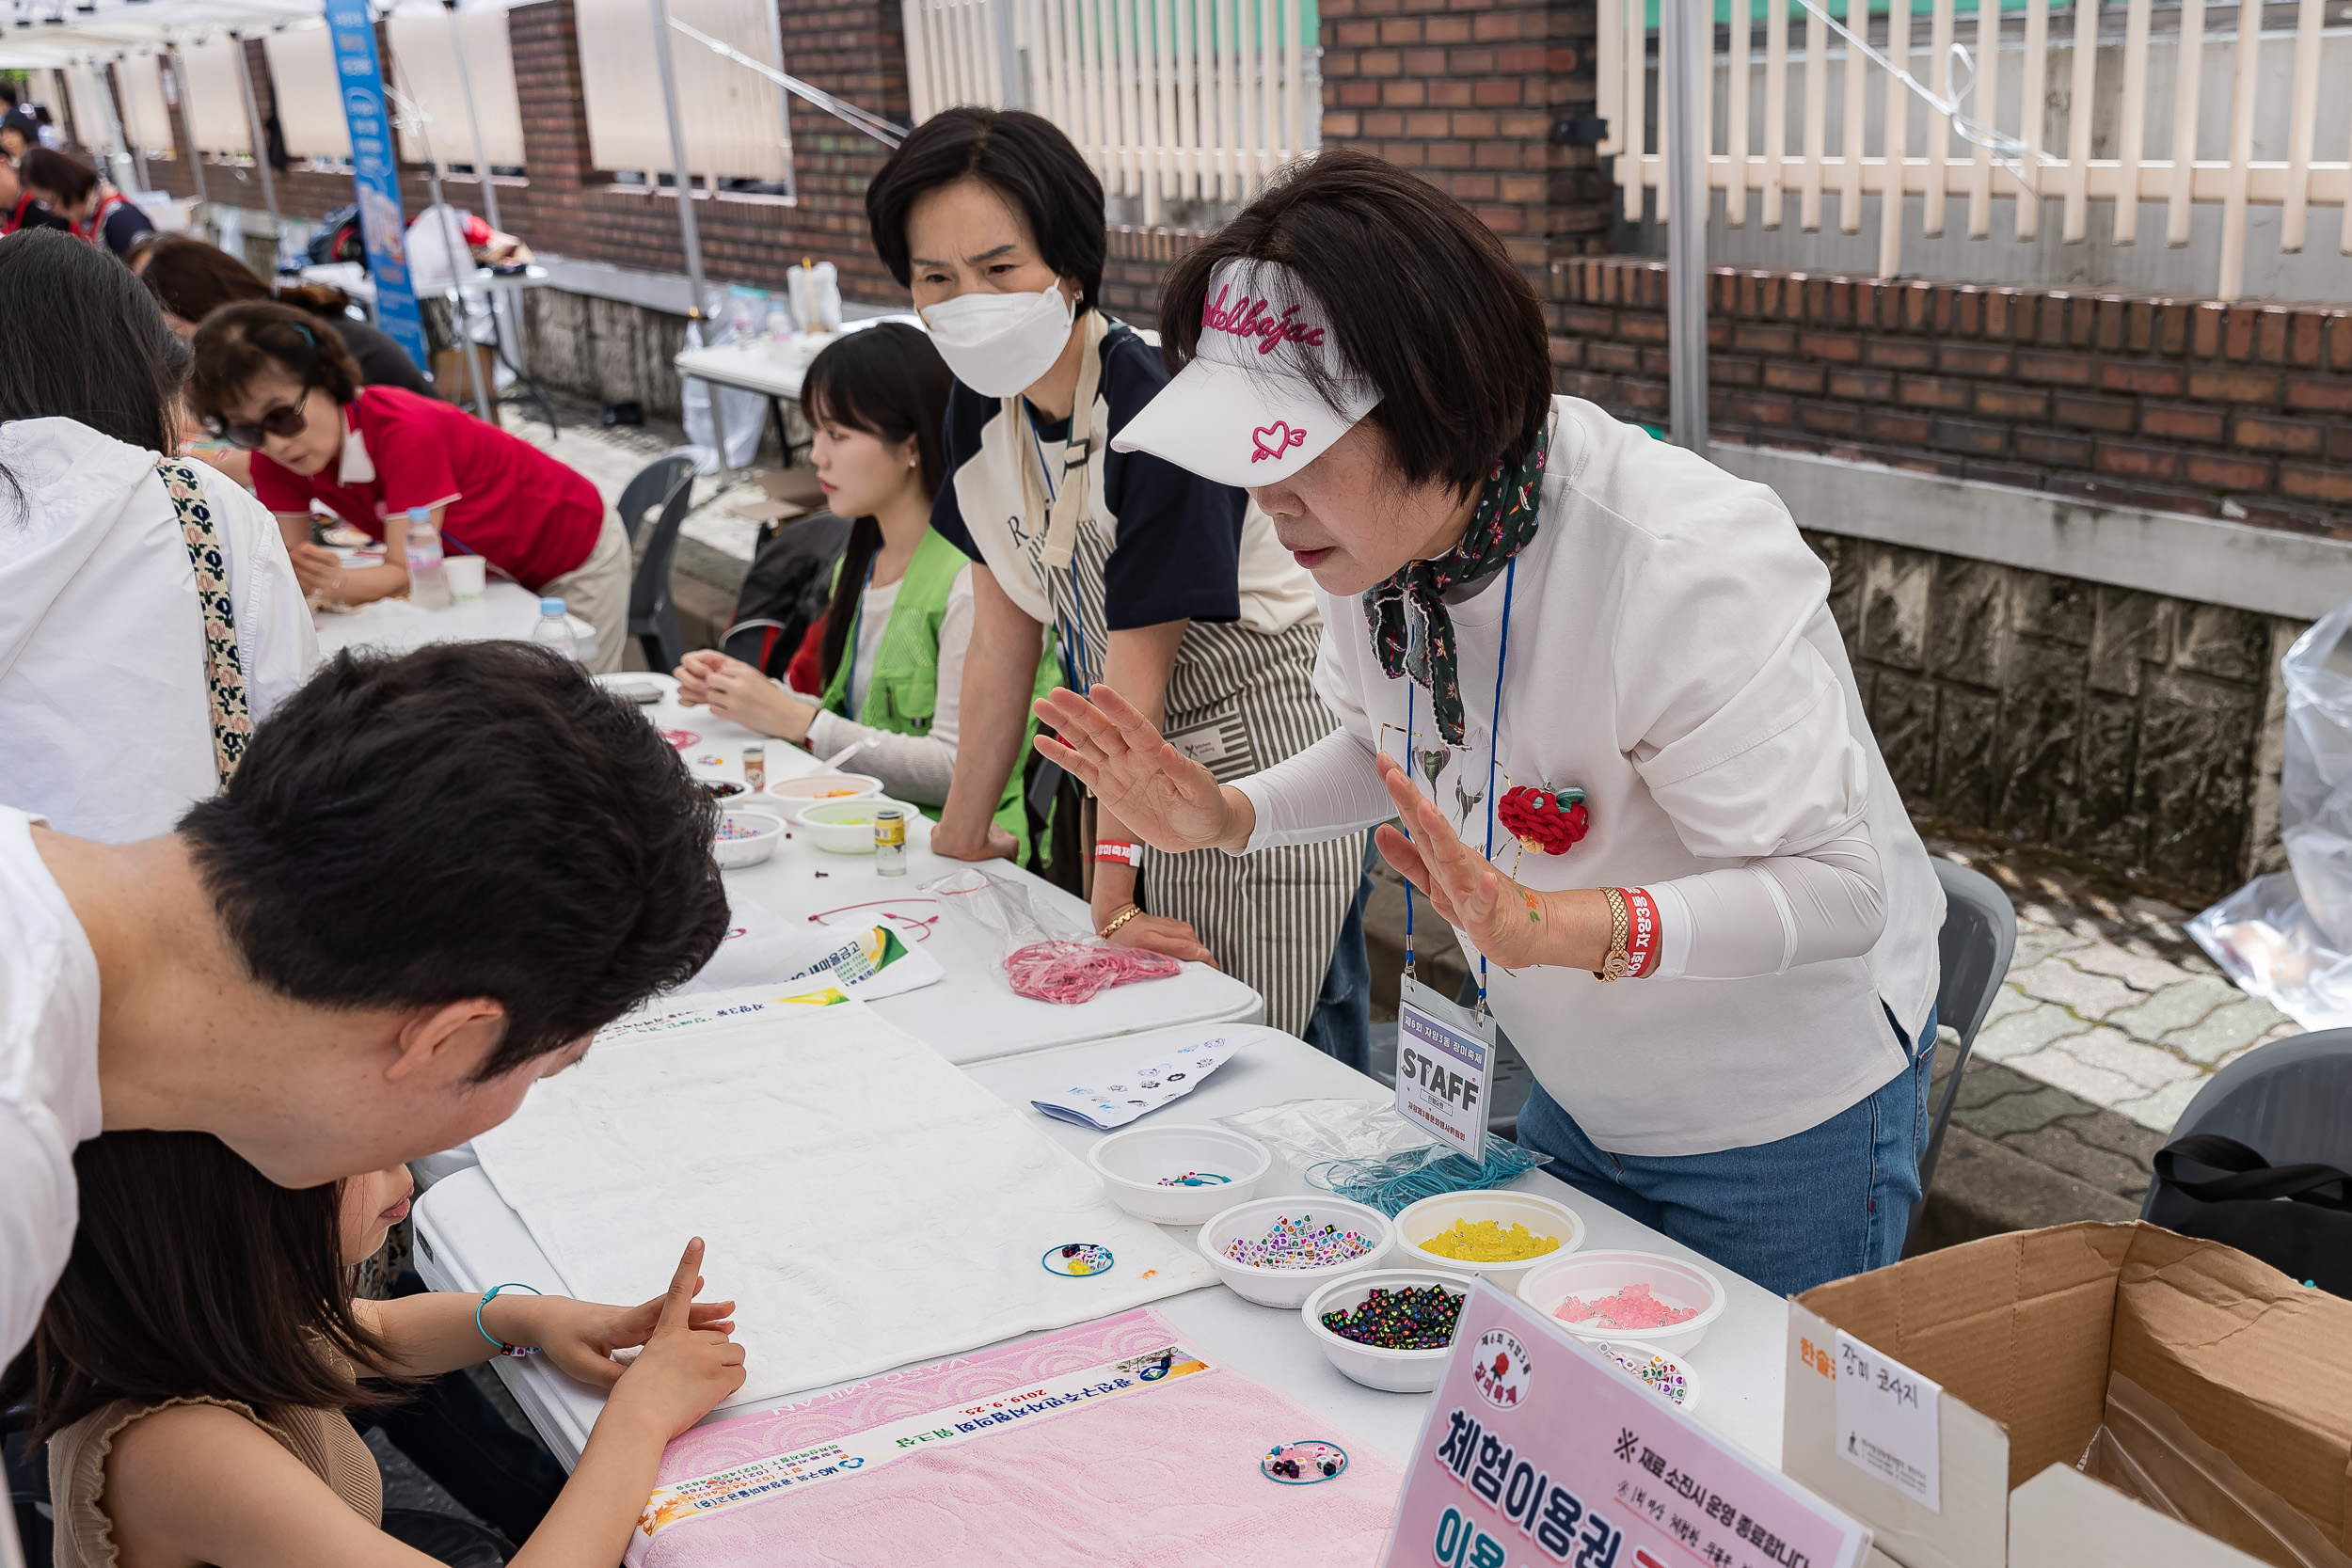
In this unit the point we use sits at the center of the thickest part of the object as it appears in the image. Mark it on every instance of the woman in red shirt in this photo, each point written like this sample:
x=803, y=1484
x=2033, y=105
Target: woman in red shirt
x=269, y=381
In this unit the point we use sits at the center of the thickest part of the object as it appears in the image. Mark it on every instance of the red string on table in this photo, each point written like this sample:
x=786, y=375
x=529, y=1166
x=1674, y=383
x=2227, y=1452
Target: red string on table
x=1068, y=972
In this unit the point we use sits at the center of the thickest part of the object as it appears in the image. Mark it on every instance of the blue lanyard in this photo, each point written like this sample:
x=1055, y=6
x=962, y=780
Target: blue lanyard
x=857, y=621
x=1494, y=738
x=1070, y=678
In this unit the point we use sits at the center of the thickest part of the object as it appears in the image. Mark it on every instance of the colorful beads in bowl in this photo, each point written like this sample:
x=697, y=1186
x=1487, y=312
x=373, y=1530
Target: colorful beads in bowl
x=1486, y=1242
x=1407, y=1319
x=1300, y=1243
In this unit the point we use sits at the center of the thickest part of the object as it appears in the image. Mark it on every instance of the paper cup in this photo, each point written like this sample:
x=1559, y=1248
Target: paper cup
x=464, y=573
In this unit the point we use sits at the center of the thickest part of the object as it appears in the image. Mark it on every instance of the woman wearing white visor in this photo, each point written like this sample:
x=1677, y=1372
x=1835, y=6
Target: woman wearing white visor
x=1153, y=577
x=1597, y=680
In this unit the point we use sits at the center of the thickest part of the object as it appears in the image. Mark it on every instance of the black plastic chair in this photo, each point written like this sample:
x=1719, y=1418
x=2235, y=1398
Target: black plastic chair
x=652, y=612
x=1978, y=937
x=651, y=490
x=2290, y=1102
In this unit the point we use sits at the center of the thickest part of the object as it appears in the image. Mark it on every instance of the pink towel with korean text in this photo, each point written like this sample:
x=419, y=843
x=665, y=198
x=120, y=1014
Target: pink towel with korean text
x=1114, y=1443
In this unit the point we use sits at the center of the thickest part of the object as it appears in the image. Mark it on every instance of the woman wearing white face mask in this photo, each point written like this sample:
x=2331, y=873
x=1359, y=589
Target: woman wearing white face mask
x=1155, y=580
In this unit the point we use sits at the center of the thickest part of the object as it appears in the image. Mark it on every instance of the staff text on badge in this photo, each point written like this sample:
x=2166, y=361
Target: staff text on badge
x=1443, y=1074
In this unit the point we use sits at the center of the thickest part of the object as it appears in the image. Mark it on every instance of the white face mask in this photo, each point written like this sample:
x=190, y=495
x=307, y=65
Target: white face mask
x=1000, y=345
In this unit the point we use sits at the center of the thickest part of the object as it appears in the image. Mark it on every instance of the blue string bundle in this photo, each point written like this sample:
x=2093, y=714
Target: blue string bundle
x=1394, y=1181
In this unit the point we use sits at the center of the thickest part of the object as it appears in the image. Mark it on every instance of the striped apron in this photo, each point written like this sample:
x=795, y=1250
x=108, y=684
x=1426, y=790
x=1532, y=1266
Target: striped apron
x=1238, y=702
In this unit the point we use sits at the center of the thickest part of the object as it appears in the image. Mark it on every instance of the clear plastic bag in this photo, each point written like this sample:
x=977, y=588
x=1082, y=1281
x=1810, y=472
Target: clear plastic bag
x=1041, y=954
x=745, y=413
x=2287, y=936
x=1364, y=1151
x=2145, y=1451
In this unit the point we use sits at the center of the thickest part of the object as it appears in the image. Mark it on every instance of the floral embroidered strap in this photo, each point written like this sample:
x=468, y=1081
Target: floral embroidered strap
x=224, y=676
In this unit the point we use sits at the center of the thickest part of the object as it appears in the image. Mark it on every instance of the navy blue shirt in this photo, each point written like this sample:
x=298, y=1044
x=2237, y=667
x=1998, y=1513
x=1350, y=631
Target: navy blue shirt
x=1177, y=551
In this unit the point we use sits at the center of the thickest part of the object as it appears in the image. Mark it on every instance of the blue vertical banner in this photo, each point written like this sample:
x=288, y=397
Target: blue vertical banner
x=382, y=229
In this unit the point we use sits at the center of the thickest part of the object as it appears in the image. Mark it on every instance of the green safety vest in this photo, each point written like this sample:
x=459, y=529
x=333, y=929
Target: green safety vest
x=903, y=692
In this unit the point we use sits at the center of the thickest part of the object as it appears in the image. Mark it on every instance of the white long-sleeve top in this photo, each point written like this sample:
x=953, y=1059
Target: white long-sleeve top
x=1672, y=653
x=916, y=767
x=105, y=705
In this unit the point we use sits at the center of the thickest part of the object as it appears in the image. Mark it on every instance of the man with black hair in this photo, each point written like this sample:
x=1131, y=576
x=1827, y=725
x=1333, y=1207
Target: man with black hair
x=18, y=127
x=19, y=207
x=430, y=880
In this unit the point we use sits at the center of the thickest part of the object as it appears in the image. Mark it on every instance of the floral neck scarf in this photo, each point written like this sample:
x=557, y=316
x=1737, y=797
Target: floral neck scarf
x=1506, y=520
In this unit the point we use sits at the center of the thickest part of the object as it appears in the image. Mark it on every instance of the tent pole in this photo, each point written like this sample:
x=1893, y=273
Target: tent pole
x=187, y=118
x=260, y=152
x=688, y=235
x=500, y=302
x=1684, y=53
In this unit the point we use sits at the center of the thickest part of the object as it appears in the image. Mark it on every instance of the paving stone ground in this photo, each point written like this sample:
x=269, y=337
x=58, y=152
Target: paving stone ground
x=2108, y=999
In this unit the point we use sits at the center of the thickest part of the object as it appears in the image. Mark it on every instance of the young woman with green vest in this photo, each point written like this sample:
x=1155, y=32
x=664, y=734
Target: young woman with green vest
x=900, y=620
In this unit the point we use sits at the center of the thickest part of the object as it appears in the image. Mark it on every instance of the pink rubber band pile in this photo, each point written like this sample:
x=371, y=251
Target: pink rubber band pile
x=1632, y=1308
x=1074, y=972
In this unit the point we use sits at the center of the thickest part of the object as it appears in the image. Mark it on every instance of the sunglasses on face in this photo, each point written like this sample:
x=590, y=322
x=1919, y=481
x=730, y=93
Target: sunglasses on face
x=285, y=423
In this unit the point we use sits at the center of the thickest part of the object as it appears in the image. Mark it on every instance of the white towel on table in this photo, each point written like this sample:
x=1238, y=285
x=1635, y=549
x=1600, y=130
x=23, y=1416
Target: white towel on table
x=866, y=1203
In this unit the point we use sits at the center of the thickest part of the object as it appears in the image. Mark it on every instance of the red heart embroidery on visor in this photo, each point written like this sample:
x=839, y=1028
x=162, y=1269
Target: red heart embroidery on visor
x=1281, y=436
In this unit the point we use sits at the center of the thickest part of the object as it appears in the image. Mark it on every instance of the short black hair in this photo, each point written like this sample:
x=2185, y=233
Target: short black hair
x=60, y=174
x=1424, y=299
x=471, y=820
x=95, y=350
x=1021, y=156
x=237, y=342
x=9, y=93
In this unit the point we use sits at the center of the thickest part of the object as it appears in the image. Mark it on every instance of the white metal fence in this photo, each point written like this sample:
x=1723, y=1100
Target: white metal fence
x=1959, y=110
x=1169, y=99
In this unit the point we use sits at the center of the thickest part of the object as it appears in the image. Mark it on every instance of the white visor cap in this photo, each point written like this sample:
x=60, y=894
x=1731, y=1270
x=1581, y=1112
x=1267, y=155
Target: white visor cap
x=1243, y=411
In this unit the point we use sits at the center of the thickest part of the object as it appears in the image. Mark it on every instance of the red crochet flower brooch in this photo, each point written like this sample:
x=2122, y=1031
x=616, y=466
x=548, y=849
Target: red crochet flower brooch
x=1547, y=820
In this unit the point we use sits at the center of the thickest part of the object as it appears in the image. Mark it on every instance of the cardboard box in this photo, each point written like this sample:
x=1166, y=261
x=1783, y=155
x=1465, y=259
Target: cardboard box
x=2022, y=1332
x=452, y=381
x=785, y=494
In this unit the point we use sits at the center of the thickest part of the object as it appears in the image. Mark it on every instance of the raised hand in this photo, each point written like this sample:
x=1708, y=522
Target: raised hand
x=579, y=1336
x=686, y=1368
x=1507, y=923
x=1163, y=797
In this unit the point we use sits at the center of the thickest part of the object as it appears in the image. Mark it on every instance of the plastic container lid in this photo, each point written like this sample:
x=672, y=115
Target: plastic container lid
x=550, y=607
x=421, y=514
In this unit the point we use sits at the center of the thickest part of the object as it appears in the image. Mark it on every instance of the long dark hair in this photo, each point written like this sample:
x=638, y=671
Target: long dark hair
x=193, y=1275
x=192, y=278
x=888, y=380
x=83, y=340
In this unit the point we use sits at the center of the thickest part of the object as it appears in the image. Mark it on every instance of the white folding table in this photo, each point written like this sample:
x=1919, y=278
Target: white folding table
x=971, y=1015
x=469, y=1239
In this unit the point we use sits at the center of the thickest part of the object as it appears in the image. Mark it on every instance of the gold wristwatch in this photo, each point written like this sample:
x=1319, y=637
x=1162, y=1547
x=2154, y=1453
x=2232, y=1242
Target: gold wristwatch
x=1619, y=963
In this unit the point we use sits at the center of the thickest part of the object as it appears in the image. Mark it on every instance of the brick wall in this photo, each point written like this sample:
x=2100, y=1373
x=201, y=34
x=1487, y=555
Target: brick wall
x=1465, y=92
x=2234, y=411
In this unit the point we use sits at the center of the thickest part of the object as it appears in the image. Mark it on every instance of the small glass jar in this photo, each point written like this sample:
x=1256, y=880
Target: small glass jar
x=755, y=769
x=890, y=842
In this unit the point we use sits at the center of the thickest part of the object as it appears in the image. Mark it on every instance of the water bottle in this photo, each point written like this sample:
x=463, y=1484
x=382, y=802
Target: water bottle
x=428, y=585
x=555, y=632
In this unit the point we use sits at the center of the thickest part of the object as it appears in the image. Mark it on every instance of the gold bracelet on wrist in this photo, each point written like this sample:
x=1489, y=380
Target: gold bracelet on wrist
x=1119, y=919
x=1619, y=963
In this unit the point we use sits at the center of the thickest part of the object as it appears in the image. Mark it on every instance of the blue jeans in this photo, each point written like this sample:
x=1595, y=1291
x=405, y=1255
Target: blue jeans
x=1818, y=1205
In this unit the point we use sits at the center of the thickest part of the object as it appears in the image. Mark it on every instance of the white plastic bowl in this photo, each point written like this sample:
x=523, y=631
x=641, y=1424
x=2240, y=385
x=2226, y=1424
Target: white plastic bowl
x=846, y=827
x=790, y=794
x=1632, y=1357
x=1431, y=1216
x=733, y=854
x=1289, y=1287
x=1131, y=1163
x=1398, y=1371
x=1590, y=1274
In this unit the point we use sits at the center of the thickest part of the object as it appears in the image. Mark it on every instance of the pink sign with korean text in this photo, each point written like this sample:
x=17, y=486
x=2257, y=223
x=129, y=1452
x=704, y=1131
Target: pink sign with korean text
x=1539, y=1454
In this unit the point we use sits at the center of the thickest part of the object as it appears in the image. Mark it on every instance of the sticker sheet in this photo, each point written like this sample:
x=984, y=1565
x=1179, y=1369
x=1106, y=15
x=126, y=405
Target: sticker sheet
x=1115, y=1443
x=1139, y=1090
x=866, y=1204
